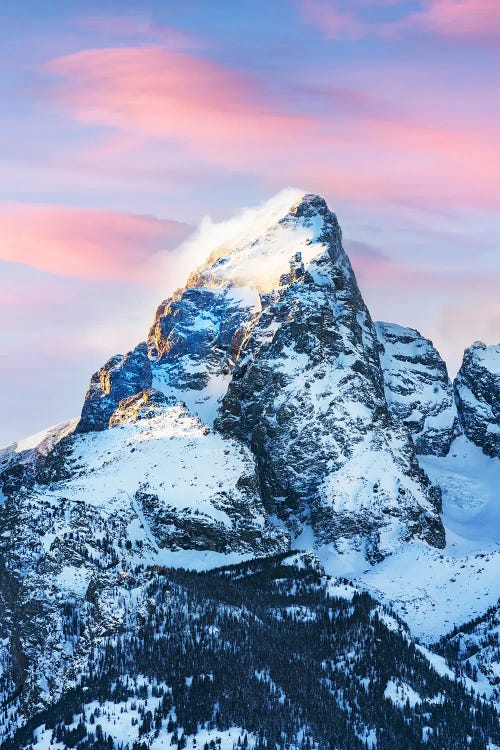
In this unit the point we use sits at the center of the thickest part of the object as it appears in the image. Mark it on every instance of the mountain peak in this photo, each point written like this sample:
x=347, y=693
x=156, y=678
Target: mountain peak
x=310, y=204
x=254, y=250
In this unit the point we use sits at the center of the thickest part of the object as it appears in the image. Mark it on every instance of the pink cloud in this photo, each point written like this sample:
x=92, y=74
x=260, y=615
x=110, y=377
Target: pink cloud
x=450, y=307
x=474, y=19
x=375, y=268
x=217, y=113
x=403, y=164
x=84, y=242
x=477, y=20
x=205, y=113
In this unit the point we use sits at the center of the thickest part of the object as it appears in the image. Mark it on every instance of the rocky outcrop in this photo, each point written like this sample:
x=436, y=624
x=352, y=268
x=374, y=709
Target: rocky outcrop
x=121, y=377
x=191, y=340
x=477, y=394
x=192, y=333
x=146, y=404
x=417, y=388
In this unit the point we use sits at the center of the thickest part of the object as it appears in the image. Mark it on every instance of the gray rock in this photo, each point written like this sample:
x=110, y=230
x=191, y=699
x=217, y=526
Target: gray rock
x=143, y=405
x=307, y=394
x=477, y=394
x=417, y=388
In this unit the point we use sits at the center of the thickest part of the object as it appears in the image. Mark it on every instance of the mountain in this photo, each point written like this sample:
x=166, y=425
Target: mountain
x=264, y=413
x=277, y=330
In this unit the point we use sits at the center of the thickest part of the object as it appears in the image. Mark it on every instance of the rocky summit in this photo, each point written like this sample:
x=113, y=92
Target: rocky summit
x=264, y=413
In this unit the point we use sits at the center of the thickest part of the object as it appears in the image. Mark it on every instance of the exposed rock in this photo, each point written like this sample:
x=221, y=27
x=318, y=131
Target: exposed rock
x=143, y=405
x=121, y=377
x=307, y=394
x=417, y=388
x=28, y=461
x=477, y=394
x=191, y=342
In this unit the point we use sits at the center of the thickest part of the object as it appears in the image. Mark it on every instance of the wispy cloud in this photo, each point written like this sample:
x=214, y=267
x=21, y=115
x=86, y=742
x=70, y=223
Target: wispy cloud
x=477, y=20
x=332, y=20
x=139, y=27
x=333, y=135
x=473, y=20
x=220, y=115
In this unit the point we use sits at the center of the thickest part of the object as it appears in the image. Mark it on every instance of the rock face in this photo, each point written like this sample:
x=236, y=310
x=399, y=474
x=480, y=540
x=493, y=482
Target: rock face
x=121, y=377
x=417, y=388
x=307, y=395
x=477, y=394
x=190, y=342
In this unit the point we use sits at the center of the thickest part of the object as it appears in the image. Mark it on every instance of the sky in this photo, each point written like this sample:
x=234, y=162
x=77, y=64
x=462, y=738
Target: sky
x=126, y=122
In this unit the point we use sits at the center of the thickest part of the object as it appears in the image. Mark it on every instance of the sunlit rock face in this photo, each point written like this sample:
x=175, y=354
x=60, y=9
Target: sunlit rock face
x=417, y=388
x=121, y=377
x=477, y=393
x=145, y=404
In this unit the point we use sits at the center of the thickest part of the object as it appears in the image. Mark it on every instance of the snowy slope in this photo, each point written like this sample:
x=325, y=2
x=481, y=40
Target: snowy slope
x=435, y=590
x=141, y=492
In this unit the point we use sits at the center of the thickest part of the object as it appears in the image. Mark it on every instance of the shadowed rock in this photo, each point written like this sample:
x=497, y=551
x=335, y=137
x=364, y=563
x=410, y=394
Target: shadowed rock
x=477, y=393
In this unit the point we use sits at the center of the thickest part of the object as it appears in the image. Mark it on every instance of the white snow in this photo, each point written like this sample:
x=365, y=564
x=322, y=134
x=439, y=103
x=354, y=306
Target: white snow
x=175, y=458
x=470, y=483
x=489, y=357
x=438, y=662
x=198, y=559
x=254, y=250
x=399, y=693
x=434, y=590
x=48, y=437
x=73, y=579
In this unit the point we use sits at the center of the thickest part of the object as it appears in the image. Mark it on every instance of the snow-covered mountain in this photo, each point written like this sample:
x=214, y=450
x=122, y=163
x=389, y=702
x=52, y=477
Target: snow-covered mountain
x=265, y=412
